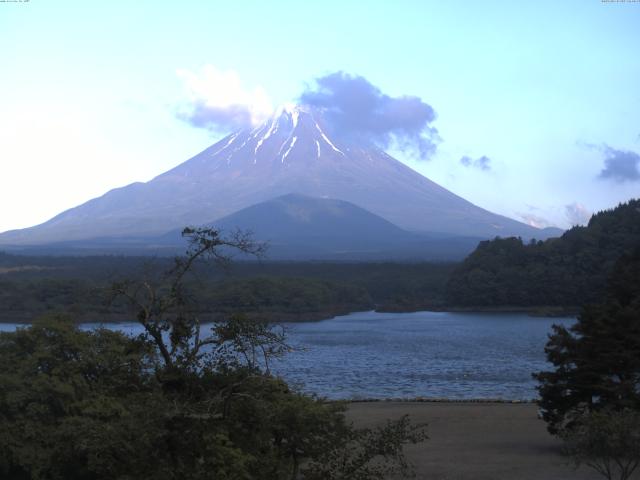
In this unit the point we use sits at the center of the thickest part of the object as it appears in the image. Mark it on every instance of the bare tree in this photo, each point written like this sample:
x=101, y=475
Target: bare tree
x=163, y=305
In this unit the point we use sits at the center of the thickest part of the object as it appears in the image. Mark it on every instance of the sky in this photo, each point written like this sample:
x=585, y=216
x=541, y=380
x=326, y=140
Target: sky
x=533, y=107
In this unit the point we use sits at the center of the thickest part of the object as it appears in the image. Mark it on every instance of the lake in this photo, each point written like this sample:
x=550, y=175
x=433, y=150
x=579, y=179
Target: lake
x=408, y=355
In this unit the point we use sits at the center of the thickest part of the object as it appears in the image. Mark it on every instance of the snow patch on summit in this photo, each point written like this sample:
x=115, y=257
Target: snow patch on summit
x=231, y=139
x=326, y=139
x=293, y=142
x=293, y=111
x=272, y=129
x=290, y=123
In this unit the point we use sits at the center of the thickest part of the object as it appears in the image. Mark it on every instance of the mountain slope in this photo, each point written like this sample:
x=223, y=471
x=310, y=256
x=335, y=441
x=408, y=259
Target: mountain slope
x=301, y=218
x=292, y=152
x=302, y=227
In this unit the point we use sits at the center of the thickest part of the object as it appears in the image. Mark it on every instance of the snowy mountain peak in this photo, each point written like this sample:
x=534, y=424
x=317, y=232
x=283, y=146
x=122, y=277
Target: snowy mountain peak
x=291, y=113
x=291, y=109
x=294, y=151
x=294, y=133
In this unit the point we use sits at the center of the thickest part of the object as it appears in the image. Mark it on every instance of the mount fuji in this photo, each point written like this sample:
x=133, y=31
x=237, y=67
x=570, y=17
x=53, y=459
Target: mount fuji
x=294, y=152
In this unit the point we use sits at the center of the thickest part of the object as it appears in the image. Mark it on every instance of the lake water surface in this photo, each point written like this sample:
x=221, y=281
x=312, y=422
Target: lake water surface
x=406, y=355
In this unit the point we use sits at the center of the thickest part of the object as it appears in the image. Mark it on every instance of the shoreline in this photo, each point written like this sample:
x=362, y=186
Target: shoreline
x=534, y=311
x=543, y=312
x=492, y=401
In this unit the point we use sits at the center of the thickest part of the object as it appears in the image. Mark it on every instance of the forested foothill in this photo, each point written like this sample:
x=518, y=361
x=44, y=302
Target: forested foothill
x=568, y=271
x=557, y=275
x=282, y=291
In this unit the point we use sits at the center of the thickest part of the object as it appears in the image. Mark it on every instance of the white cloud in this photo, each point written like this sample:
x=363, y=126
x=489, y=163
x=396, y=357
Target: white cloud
x=534, y=220
x=218, y=99
x=577, y=214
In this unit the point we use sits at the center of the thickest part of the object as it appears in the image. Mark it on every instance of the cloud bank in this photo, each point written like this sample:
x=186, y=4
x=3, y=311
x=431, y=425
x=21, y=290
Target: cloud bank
x=620, y=165
x=218, y=101
x=577, y=214
x=534, y=220
x=481, y=163
x=358, y=109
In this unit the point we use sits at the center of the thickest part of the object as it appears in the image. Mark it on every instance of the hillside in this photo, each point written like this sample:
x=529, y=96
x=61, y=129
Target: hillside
x=300, y=227
x=566, y=271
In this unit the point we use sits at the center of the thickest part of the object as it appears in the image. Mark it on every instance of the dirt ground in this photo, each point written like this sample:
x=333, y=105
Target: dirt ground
x=477, y=441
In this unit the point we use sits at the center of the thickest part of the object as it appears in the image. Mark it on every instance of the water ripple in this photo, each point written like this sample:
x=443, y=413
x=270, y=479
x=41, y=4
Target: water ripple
x=423, y=354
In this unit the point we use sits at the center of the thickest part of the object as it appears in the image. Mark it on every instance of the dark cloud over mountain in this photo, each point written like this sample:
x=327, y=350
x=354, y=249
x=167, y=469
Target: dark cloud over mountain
x=356, y=108
x=620, y=165
x=482, y=163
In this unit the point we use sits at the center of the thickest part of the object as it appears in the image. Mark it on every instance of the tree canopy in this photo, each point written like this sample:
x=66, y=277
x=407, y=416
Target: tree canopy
x=568, y=271
x=181, y=401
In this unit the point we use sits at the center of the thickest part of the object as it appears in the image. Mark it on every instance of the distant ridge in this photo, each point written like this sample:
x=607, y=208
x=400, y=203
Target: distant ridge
x=294, y=151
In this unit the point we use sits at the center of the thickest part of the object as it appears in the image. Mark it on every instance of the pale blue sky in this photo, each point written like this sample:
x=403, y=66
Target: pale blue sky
x=90, y=90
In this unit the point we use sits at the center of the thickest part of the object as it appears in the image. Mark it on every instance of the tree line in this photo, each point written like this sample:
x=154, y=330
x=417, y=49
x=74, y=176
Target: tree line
x=568, y=271
x=282, y=291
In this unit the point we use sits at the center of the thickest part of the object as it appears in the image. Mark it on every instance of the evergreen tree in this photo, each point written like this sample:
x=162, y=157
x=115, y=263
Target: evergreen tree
x=597, y=360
